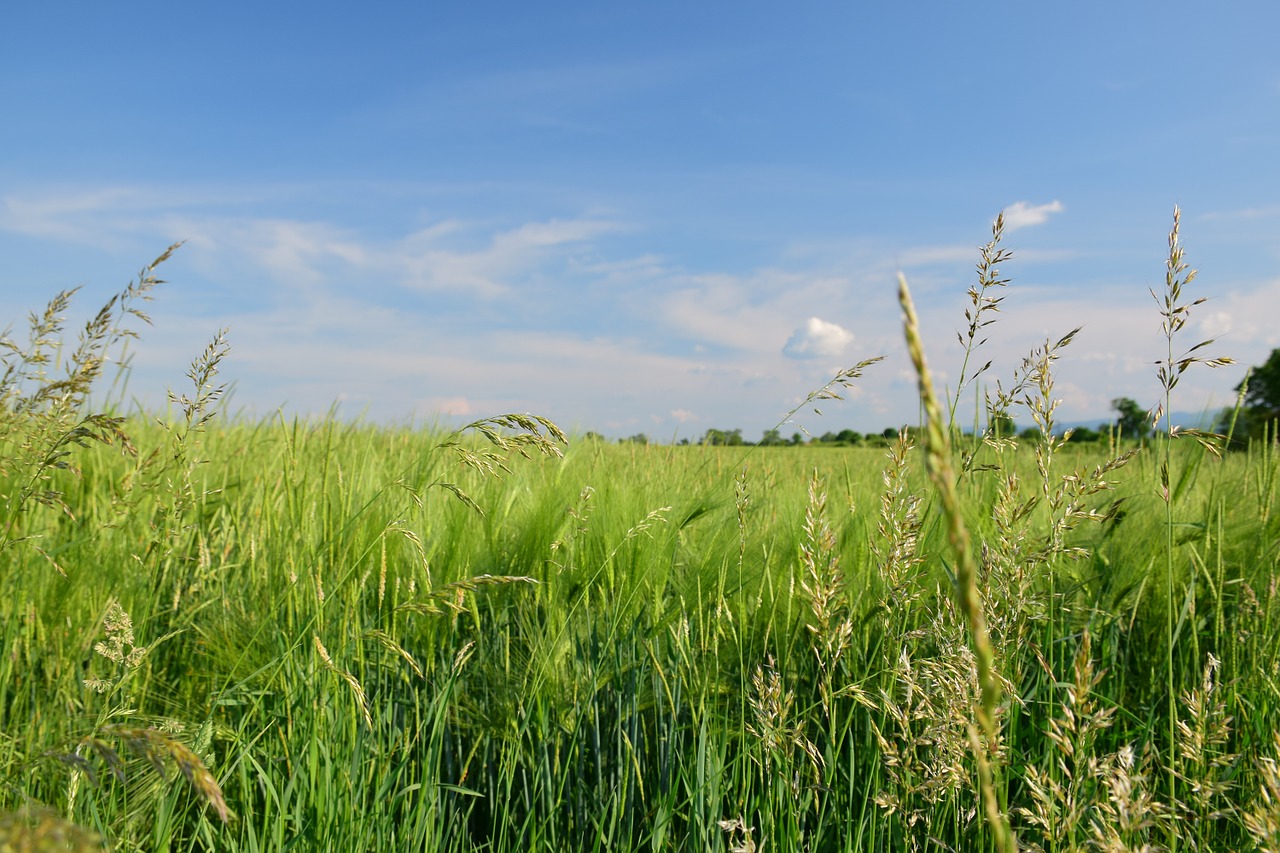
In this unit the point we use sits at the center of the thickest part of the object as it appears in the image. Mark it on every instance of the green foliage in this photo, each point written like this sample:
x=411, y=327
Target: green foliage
x=1264, y=385
x=1258, y=412
x=1084, y=435
x=1133, y=421
x=771, y=438
x=723, y=438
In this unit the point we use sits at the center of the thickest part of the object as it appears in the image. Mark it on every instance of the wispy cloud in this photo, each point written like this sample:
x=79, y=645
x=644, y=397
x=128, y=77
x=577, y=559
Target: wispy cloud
x=73, y=216
x=1023, y=214
x=1265, y=212
x=722, y=310
x=455, y=256
x=429, y=265
x=449, y=256
x=580, y=318
x=106, y=217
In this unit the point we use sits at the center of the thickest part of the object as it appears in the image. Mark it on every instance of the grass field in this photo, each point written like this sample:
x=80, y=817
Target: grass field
x=316, y=635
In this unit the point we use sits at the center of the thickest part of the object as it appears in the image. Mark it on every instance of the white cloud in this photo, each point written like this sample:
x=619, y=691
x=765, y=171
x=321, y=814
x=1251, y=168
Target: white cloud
x=453, y=406
x=817, y=339
x=684, y=416
x=1022, y=214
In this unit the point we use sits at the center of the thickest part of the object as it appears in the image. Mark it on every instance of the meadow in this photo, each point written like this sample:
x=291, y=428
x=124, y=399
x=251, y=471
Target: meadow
x=319, y=635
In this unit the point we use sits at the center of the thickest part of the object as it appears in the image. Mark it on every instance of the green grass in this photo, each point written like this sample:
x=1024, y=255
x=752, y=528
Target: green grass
x=316, y=635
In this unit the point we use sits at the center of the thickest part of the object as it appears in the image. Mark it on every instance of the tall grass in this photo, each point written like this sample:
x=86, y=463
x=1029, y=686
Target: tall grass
x=293, y=634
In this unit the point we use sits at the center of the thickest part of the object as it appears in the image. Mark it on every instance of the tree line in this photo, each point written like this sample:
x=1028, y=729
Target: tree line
x=1256, y=416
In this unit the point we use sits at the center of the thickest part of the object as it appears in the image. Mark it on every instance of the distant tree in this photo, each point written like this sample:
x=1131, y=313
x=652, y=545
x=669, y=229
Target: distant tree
x=848, y=436
x=638, y=438
x=1132, y=422
x=772, y=438
x=890, y=433
x=1031, y=434
x=721, y=437
x=1084, y=434
x=1264, y=385
x=1261, y=404
x=828, y=438
x=797, y=439
x=592, y=436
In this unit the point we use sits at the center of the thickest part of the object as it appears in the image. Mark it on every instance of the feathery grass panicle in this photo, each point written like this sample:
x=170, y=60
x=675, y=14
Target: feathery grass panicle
x=1262, y=818
x=981, y=305
x=1207, y=766
x=924, y=735
x=830, y=622
x=1125, y=818
x=842, y=380
x=774, y=723
x=1064, y=794
x=1174, y=313
x=897, y=540
x=119, y=646
x=43, y=417
x=823, y=583
x=578, y=518
x=513, y=433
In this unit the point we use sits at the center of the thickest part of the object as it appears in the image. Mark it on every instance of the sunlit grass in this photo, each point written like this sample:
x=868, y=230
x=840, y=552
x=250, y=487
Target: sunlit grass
x=322, y=635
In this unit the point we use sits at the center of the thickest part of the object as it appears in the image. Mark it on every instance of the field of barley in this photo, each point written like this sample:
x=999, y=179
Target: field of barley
x=234, y=635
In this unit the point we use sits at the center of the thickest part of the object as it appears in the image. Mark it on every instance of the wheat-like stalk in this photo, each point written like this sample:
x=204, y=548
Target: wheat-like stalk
x=938, y=463
x=157, y=746
x=453, y=595
x=362, y=701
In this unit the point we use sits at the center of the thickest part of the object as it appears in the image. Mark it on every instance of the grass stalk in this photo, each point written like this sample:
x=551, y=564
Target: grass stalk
x=938, y=464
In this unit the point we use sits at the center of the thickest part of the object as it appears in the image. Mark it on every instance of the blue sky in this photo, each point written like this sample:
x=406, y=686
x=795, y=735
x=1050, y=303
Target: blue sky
x=659, y=217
